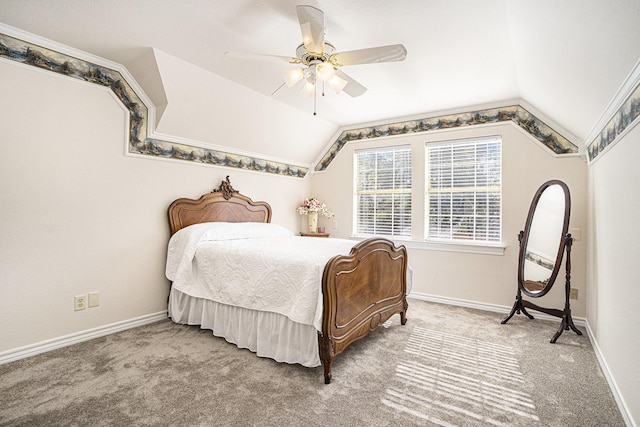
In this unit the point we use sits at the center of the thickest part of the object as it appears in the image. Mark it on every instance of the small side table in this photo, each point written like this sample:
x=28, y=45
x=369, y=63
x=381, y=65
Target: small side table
x=314, y=234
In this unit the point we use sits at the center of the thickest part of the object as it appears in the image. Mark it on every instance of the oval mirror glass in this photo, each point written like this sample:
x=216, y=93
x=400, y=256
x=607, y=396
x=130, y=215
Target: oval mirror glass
x=543, y=242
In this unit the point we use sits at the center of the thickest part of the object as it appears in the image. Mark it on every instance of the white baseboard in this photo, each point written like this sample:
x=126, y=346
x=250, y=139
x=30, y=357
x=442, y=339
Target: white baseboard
x=64, y=341
x=622, y=406
x=579, y=321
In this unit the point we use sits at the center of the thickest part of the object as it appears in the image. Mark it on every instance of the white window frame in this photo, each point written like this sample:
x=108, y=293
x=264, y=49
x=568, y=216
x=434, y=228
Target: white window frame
x=471, y=240
x=395, y=190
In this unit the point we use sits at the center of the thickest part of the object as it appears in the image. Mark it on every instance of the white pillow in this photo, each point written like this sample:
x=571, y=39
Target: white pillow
x=238, y=230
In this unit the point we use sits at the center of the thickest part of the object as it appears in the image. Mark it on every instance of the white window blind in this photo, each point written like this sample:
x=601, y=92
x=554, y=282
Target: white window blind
x=383, y=191
x=464, y=190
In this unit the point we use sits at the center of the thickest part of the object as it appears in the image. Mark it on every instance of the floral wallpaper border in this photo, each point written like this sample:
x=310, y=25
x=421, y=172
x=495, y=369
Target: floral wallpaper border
x=516, y=113
x=41, y=57
x=623, y=118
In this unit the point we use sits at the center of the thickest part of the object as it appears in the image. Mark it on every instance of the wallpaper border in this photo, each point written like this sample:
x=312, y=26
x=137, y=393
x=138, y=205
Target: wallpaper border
x=622, y=120
x=517, y=114
x=24, y=52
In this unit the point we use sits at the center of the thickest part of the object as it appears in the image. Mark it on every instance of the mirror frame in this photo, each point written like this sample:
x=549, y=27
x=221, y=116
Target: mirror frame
x=561, y=238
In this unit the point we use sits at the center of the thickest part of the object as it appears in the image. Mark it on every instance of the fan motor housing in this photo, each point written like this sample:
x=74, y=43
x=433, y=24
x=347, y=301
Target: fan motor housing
x=307, y=57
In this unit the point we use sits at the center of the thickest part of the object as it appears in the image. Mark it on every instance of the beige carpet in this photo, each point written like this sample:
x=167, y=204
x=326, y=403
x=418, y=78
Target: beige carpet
x=449, y=366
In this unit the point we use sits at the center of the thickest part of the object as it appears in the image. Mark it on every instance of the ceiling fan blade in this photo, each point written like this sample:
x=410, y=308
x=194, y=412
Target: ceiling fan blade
x=261, y=57
x=312, y=27
x=353, y=88
x=394, y=52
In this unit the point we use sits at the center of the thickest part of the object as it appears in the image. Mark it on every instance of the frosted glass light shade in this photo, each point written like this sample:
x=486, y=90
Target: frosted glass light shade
x=325, y=72
x=293, y=76
x=308, y=90
x=337, y=84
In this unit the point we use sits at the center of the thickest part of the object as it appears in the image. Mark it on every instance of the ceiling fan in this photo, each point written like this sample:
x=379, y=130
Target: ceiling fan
x=320, y=63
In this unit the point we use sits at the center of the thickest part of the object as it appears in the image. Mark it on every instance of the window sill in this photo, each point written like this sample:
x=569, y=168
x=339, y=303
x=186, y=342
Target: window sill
x=468, y=248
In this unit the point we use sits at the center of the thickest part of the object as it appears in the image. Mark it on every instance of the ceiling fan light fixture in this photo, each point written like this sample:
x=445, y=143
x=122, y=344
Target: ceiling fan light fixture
x=293, y=76
x=325, y=71
x=309, y=89
x=337, y=84
x=319, y=62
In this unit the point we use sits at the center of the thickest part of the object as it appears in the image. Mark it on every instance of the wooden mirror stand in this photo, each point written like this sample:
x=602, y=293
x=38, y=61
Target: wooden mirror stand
x=521, y=305
x=545, y=236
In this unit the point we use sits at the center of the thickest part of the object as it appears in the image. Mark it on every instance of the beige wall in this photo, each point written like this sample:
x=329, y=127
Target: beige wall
x=614, y=264
x=481, y=278
x=77, y=215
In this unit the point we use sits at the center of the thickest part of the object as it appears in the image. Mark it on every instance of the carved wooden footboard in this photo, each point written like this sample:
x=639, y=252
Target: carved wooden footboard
x=361, y=290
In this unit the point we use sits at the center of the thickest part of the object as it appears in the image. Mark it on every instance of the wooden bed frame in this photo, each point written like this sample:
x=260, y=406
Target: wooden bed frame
x=360, y=291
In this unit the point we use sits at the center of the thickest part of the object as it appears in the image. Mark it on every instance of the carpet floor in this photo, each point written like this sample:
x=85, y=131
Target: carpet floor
x=448, y=366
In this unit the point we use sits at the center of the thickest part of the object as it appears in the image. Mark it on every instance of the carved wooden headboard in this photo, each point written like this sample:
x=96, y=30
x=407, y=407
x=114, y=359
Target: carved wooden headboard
x=223, y=204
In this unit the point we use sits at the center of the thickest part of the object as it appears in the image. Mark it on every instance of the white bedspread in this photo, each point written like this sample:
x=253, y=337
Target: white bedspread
x=280, y=274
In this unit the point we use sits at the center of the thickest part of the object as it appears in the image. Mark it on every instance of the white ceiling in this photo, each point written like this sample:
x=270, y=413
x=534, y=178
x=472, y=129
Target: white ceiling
x=566, y=58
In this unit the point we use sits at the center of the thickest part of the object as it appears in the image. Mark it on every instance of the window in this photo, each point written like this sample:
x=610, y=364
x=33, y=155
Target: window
x=383, y=191
x=464, y=190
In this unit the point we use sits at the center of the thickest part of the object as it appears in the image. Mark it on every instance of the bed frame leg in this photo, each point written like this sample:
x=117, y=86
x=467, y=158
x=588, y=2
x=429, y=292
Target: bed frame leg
x=403, y=318
x=403, y=313
x=326, y=355
x=327, y=372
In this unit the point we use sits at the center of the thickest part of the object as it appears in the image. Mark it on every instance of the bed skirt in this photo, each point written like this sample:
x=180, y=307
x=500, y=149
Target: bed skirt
x=267, y=334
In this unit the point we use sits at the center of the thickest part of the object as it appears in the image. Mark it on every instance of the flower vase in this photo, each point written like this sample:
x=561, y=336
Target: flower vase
x=313, y=222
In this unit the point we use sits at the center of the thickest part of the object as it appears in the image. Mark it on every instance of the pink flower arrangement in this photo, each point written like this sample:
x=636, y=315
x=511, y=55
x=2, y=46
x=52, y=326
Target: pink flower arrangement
x=314, y=205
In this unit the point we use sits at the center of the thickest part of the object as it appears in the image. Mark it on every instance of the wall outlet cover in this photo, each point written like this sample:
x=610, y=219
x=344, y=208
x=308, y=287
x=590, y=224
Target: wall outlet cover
x=80, y=302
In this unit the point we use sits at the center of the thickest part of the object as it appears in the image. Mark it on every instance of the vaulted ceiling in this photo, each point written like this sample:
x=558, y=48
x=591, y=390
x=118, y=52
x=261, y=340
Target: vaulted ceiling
x=566, y=59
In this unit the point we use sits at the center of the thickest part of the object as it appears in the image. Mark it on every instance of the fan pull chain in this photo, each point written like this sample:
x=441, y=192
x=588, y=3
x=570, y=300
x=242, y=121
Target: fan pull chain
x=315, y=95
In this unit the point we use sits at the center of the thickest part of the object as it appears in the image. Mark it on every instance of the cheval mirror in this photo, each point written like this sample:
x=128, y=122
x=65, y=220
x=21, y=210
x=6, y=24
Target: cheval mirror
x=543, y=242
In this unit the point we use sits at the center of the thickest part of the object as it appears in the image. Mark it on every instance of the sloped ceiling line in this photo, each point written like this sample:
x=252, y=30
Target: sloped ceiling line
x=41, y=57
x=519, y=115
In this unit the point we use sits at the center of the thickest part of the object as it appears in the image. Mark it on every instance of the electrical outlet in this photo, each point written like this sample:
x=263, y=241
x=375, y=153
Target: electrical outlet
x=94, y=299
x=334, y=224
x=573, y=294
x=80, y=302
